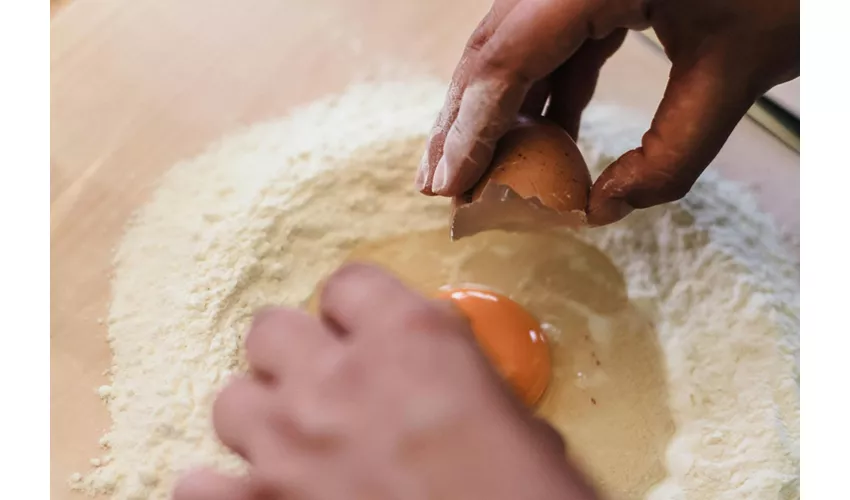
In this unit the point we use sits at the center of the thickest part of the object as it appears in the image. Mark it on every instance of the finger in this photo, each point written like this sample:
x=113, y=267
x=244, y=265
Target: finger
x=574, y=82
x=284, y=339
x=536, y=98
x=701, y=106
x=533, y=40
x=239, y=411
x=436, y=139
x=210, y=485
x=371, y=301
x=356, y=295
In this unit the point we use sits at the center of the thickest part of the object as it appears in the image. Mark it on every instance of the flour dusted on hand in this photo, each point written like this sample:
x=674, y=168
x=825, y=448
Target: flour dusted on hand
x=261, y=217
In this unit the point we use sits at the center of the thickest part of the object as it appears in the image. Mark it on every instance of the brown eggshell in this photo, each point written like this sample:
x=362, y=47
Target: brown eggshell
x=537, y=180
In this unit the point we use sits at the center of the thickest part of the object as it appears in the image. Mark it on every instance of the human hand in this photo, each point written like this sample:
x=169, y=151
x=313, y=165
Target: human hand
x=385, y=395
x=724, y=54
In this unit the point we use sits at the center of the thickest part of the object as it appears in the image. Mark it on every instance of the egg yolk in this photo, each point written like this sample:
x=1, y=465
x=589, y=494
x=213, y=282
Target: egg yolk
x=509, y=336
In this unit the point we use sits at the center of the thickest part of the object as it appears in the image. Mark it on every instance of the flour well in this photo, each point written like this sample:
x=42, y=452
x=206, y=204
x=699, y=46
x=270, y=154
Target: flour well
x=265, y=214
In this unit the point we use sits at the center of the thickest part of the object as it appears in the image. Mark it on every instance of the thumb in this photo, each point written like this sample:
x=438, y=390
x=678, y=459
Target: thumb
x=701, y=106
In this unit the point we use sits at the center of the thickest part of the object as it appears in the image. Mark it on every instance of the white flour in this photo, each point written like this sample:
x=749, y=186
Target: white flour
x=253, y=221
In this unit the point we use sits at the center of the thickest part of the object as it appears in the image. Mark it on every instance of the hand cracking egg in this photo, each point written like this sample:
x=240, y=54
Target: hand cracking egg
x=510, y=337
x=537, y=180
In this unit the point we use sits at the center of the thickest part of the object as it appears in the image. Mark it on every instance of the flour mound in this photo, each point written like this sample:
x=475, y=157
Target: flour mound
x=262, y=216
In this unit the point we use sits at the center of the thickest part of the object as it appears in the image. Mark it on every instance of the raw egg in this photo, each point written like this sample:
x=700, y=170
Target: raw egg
x=537, y=180
x=509, y=336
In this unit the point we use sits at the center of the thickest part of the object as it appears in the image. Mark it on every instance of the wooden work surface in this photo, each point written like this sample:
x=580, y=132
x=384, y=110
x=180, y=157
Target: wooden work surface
x=137, y=86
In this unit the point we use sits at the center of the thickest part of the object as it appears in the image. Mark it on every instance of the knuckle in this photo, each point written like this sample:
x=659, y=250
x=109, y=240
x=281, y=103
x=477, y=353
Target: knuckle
x=351, y=278
x=479, y=38
x=272, y=329
x=500, y=64
x=236, y=412
x=433, y=317
x=232, y=396
x=267, y=316
x=482, y=33
x=258, y=334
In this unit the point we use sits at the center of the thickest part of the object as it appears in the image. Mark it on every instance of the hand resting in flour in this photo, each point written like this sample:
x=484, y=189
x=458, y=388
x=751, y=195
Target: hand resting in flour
x=385, y=395
x=724, y=54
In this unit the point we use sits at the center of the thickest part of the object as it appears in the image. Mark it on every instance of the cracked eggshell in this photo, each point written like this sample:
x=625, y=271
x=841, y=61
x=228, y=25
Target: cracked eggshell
x=537, y=180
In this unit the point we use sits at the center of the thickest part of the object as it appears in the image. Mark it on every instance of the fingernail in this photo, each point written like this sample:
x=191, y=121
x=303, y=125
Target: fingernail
x=441, y=176
x=422, y=173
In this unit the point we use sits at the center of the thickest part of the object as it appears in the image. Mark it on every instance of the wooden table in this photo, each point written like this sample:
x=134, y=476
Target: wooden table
x=137, y=86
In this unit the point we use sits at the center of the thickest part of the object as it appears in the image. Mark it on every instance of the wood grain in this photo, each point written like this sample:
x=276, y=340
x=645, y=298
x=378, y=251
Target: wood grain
x=137, y=86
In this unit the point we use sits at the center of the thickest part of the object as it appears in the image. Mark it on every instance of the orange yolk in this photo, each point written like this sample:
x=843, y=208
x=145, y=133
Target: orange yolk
x=510, y=337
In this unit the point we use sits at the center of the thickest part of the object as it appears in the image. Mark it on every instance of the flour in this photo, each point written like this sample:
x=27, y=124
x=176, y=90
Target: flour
x=255, y=220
